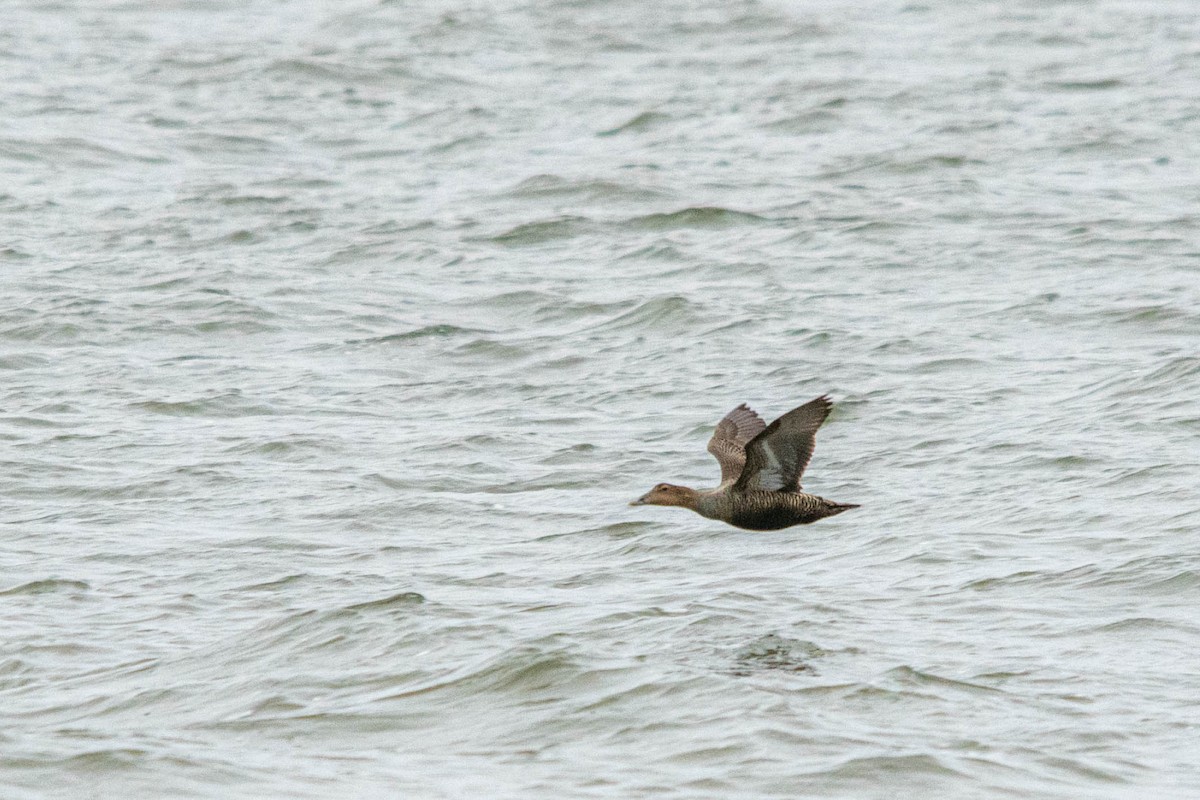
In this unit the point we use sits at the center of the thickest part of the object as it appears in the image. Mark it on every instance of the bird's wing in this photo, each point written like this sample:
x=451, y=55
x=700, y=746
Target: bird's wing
x=776, y=458
x=728, y=442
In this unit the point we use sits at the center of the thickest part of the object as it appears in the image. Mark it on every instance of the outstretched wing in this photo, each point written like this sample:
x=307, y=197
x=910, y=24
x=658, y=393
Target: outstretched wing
x=776, y=458
x=728, y=442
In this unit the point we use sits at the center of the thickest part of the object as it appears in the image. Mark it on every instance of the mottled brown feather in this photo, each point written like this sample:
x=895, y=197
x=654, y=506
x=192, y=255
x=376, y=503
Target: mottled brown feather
x=728, y=442
x=777, y=457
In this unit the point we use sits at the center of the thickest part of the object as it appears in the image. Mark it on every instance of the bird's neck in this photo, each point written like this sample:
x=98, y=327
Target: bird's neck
x=712, y=504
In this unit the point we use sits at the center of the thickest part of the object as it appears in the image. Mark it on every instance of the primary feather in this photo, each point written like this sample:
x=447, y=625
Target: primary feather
x=728, y=442
x=776, y=458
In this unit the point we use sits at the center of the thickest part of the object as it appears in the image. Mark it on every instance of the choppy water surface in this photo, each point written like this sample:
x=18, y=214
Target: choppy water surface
x=335, y=338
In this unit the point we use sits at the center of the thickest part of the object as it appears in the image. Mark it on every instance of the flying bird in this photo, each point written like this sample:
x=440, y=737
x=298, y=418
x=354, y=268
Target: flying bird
x=761, y=467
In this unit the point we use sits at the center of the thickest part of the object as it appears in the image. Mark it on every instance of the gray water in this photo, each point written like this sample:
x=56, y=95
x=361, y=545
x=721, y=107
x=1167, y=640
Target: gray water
x=336, y=337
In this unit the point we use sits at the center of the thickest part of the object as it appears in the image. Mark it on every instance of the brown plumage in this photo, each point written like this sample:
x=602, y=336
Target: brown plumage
x=728, y=442
x=761, y=467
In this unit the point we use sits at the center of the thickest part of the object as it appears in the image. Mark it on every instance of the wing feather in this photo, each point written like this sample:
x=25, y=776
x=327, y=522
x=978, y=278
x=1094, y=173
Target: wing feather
x=728, y=442
x=776, y=458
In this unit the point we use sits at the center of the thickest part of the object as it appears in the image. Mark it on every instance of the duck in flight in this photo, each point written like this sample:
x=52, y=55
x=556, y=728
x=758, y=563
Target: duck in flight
x=761, y=467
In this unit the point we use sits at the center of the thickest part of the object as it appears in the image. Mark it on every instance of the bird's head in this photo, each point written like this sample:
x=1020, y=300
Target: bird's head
x=667, y=494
